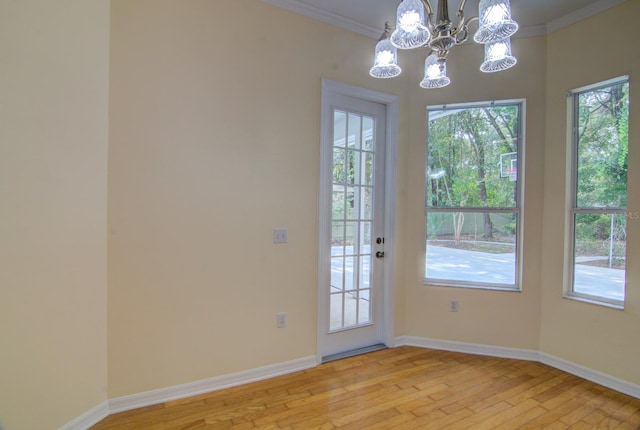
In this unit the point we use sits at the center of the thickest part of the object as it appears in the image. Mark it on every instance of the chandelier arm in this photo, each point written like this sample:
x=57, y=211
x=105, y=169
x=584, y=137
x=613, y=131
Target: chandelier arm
x=461, y=8
x=465, y=35
x=475, y=18
x=430, y=25
x=462, y=25
x=428, y=7
x=386, y=34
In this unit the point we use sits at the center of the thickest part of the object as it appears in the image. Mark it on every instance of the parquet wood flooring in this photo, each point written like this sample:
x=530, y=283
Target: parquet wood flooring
x=403, y=388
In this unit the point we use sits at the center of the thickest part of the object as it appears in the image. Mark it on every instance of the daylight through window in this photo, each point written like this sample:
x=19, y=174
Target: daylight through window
x=473, y=195
x=598, y=216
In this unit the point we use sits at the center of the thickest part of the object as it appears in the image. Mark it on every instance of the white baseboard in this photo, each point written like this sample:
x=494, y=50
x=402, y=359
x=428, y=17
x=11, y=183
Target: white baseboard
x=89, y=418
x=524, y=354
x=148, y=398
x=161, y=395
x=469, y=348
x=591, y=375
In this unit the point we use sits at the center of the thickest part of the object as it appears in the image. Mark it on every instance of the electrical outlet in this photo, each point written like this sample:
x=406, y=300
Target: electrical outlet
x=453, y=306
x=280, y=235
x=282, y=320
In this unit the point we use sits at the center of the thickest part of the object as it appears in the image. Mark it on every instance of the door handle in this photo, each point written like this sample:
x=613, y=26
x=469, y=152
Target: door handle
x=380, y=254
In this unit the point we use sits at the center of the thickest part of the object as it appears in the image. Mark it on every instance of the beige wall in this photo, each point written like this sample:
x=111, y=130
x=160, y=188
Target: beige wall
x=604, y=339
x=214, y=141
x=53, y=158
x=599, y=338
x=509, y=319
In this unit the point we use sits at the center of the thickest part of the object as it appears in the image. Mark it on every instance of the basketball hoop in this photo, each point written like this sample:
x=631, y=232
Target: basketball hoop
x=509, y=165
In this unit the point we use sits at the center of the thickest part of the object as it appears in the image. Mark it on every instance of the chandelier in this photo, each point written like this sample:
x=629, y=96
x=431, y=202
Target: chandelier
x=440, y=35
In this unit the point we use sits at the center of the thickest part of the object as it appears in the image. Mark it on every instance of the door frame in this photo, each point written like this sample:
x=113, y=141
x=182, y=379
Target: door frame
x=330, y=87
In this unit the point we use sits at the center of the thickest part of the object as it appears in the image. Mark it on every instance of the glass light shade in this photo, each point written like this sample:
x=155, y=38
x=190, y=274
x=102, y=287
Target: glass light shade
x=435, y=73
x=410, y=30
x=386, y=61
x=495, y=21
x=497, y=56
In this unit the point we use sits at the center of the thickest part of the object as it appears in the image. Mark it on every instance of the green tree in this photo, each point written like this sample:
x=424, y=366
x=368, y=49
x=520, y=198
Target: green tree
x=603, y=147
x=463, y=160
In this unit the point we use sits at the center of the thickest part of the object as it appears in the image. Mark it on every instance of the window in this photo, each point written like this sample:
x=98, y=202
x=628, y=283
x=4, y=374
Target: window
x=598, y=214
x=473, y=195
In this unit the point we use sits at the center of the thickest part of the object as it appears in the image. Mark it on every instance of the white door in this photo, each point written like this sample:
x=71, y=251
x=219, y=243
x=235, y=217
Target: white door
x=352, y=210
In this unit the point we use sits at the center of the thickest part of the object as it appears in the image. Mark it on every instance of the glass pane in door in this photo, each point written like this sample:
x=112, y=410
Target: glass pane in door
x=352, y=220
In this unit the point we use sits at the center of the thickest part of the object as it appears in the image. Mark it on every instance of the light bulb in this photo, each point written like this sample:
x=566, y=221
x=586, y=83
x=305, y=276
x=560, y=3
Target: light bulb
x=385, y=61
x=495, y=21
x=495, y=14
x=497, y=56
x=435, y=72
x=384, y=58
x=498, y=50
x=410, y=31
x=409, y=21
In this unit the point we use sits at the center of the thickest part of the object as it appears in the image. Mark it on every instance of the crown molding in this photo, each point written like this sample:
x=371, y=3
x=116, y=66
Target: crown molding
x=328, y=17
x=531, y=31
x=580, y=14
x=374, y=32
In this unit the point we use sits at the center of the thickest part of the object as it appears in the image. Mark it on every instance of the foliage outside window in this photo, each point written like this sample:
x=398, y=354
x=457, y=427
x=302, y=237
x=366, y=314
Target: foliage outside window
x=599, y=191
x=473, y=195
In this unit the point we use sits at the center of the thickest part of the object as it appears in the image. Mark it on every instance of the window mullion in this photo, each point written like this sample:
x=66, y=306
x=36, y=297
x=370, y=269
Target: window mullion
x=601, y=211
x=473, y=209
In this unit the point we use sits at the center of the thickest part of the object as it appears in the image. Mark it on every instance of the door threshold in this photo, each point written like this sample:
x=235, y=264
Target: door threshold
x=353, y=352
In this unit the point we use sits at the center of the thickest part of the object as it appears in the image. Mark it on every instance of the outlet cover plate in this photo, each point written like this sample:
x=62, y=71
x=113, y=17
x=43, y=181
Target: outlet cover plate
x=280, y=235
x=282, y=320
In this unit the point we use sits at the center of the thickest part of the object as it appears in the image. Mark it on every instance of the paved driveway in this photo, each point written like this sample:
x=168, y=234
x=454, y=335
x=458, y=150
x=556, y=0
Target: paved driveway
x=463, y=265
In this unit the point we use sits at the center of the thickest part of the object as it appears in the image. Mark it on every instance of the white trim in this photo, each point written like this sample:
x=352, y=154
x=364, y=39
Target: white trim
x=362, y=93
x=161, y=395
x=89, y=418
x=328, y=17
x=571, y=203
x=580, y=14
x=601, y=378
x=324, y=228
x=469, y=348
x=391, y=169
x=440, y=111
x=598, y=85
x=375, y=32
x=591, y=375
x=135, y=401
x=392, y=107
x=531, y=31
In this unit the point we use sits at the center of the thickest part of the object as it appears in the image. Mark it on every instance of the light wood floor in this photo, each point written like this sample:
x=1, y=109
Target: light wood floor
x=402, y=388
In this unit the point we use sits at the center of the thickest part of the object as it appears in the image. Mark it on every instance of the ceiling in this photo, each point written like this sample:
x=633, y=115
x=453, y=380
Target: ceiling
x=536, y=17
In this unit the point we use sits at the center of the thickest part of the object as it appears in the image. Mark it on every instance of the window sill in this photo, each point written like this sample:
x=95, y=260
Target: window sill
x=472, y=286
x=594, y=301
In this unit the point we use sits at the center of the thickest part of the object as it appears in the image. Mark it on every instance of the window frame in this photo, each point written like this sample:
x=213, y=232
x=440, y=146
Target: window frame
x=517, y=209
x=572, y=201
